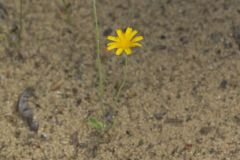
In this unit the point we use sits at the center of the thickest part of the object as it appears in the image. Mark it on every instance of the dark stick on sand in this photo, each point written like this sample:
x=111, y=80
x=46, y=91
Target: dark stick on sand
x=25, y=111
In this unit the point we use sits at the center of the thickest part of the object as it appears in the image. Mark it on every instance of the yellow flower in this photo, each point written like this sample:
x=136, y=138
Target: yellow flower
x=124, y=41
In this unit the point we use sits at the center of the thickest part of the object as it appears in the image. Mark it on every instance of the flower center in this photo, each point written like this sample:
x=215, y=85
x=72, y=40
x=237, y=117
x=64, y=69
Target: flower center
x=124, y=43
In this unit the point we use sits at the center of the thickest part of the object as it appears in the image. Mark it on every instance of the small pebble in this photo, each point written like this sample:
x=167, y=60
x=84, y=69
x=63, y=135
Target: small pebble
x=159, y=115
x=205, y=130
x=223, y=84
x=44, y=136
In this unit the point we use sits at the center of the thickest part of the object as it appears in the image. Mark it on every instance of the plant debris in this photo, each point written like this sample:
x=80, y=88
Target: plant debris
x=236, y=34
x=25, y=111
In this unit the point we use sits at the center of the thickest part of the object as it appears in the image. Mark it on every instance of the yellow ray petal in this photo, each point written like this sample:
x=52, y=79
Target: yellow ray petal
x=136, y=45
x=133, y=33
x=120, y=33
x=128, y=32
x=112, y=43
x=112, y=38
x=128, y=51
x=138, y=38
x=111, y=47
x=119, y=51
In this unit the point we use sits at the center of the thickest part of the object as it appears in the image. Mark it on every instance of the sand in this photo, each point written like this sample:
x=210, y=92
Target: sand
x=182, y=94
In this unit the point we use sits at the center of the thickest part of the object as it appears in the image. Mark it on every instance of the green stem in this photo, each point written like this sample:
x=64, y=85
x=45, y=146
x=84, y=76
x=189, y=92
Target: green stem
x=20, y=25
x=99, y=66
x=124, y=78
x=64, y=2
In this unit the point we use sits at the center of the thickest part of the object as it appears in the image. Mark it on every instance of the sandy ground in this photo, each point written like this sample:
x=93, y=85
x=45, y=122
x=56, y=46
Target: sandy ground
x=181, y=99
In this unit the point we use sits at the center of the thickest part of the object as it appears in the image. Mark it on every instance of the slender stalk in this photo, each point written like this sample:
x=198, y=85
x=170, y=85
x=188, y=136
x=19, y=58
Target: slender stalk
x=124, y=78
x=98, y=61
x=20, y=25
x=64, y=2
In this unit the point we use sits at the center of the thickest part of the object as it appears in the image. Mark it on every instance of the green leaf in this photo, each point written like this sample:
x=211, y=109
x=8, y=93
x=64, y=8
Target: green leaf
x=96, y=124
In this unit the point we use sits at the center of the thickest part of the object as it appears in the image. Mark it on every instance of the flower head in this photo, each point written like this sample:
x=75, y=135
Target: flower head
x=124, y=41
